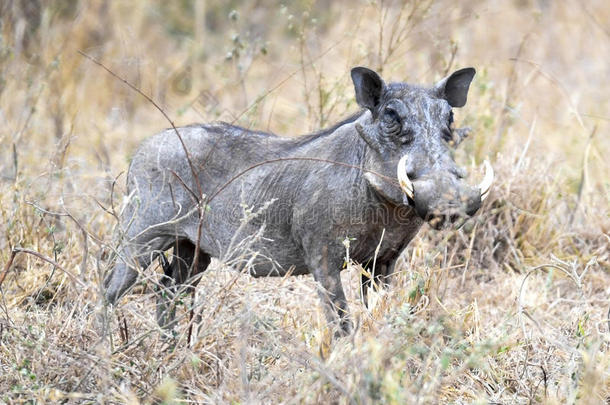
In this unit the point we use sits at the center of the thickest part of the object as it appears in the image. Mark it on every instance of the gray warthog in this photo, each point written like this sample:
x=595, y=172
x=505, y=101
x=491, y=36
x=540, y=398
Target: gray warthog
x=385, y=170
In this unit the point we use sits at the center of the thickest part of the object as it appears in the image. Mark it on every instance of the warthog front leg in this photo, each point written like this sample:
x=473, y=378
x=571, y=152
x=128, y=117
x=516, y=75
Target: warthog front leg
x=378, y=278
x=331, y=292
x=179, y=278
x=334, y=302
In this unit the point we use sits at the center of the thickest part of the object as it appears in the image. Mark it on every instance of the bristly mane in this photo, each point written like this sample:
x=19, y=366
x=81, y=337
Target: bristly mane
x=221, y=126
x=301, y=139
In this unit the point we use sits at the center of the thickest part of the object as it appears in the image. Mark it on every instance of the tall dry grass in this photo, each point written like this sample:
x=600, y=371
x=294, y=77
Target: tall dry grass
x=512, y=308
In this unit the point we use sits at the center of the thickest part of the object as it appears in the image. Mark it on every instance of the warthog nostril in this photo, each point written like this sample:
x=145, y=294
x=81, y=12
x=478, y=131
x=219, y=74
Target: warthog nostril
x=472, y=209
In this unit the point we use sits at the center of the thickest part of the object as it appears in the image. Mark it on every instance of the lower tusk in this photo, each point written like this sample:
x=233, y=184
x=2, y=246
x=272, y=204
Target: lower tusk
x=403, y=179
x=485, y=185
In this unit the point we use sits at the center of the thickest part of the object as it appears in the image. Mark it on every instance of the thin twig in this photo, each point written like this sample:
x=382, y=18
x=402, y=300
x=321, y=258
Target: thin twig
x=199, y=195
x=392, y=180
x=560, y=86
x=277, y=86
x=7, y=267
x=41, y=257
x=150, y=100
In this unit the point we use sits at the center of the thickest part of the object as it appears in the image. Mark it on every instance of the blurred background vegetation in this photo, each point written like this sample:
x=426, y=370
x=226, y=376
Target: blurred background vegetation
x=539, y=108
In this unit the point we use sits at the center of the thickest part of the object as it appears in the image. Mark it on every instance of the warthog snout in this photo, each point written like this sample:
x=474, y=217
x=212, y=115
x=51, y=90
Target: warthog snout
x=441, y=197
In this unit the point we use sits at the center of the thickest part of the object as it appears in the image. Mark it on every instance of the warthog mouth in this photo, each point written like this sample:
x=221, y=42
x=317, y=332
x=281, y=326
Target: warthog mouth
x=447, y=211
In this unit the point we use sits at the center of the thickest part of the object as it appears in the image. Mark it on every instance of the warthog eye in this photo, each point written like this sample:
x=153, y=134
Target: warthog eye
x=390, y=121
x=390, y=115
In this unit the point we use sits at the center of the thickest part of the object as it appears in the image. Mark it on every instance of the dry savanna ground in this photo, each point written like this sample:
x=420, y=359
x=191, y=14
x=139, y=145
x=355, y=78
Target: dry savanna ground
x=511, y=309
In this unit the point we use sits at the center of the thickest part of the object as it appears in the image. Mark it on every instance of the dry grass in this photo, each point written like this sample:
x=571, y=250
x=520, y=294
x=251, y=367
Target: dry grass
x=512, y=308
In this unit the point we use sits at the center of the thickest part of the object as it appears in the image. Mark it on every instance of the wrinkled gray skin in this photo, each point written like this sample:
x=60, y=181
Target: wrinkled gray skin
x=312, y=206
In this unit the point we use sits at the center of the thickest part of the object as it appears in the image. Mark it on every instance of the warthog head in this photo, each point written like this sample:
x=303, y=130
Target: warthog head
x=412, y=135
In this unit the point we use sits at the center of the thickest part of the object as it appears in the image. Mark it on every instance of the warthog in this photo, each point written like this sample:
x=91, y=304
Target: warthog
x=372, y=179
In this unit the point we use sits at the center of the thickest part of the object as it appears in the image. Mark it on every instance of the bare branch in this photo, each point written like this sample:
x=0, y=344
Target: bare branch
x=41, y=257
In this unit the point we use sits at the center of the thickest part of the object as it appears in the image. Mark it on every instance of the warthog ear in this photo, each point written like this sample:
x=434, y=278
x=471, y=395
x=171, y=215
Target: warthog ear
x=454, y=88
x=369, y=87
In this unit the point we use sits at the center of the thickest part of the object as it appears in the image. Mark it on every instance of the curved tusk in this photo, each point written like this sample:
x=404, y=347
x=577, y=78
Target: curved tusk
x=485, y=185
x=403, y=179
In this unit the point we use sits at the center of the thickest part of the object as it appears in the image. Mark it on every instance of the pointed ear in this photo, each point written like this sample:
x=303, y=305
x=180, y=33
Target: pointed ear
x=369, y=87
x=454, y=88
